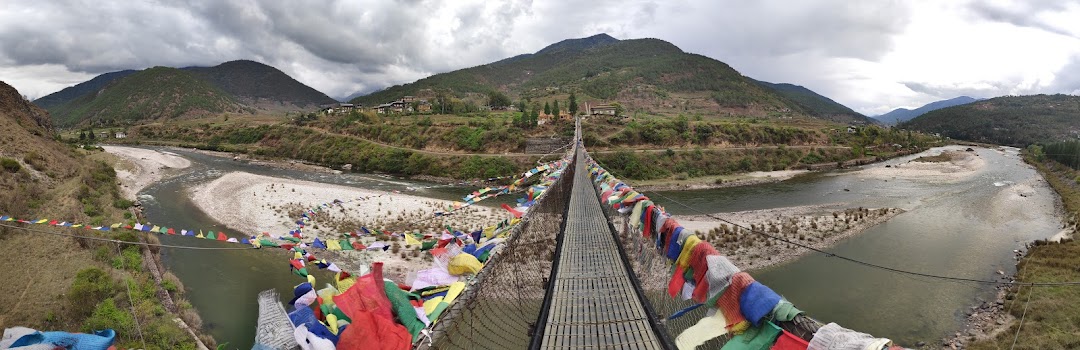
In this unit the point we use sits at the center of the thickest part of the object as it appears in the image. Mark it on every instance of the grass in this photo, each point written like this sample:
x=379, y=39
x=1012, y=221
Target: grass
x=941, y=158
x=1050, y=318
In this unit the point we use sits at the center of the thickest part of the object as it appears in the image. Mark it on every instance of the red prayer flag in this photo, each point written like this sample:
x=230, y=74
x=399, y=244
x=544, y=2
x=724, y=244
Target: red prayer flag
x=789, y=341
x=517, y=214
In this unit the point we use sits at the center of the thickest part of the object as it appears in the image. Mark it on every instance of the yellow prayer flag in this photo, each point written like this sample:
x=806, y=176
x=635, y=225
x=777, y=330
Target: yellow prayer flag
x=410, y=240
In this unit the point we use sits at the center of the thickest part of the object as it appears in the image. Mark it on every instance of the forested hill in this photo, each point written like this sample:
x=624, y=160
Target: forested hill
x=259, y=85
x=72, y=92
x=901, y=115
x=1010, y=120
x=154, y=93
x=817, y=105
x=641, y=74
x=169, y=92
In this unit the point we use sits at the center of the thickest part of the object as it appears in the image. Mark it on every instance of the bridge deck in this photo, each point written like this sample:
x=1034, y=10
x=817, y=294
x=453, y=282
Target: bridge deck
x=593, y=304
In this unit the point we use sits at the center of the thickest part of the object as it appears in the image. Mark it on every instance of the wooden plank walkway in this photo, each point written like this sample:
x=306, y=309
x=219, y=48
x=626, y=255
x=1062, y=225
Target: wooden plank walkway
x=593, y=305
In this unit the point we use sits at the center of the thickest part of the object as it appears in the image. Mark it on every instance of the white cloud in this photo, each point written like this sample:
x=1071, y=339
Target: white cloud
x=870, y=55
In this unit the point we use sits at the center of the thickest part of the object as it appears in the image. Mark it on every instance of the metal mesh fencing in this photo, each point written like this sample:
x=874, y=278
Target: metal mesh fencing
x=502, y=304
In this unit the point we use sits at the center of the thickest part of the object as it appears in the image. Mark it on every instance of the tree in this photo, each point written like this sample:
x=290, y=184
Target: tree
x=521, y=106
x=618, y=109
x=547, y=108
x=573, y=104
x=555, y=108
x=534, y=117
x=82, y=135
x=90, y=134
x=498, y=99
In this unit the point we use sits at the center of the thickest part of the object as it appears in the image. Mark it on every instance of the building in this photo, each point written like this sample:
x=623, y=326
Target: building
x=399, y=106
x=338, y=108
x=599, y=109
x=120, y=135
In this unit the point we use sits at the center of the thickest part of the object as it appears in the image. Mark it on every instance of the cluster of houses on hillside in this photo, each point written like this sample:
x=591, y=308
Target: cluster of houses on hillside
x=407, y=104
x=411, y=104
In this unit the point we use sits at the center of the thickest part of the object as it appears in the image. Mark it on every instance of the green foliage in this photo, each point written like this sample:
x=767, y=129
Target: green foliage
x=106, y=315
x=1067, y=153
x=486, y=167
x=129, y=259
x=573, y=107
x=498, y=99
x=121, y=203
x=1010, y=120
x=91, y=285
x=469, y=139
x=10, y=165
x=547, y=108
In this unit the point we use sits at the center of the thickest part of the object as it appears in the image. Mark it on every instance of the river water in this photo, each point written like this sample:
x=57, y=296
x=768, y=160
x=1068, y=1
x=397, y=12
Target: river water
x=966, y=228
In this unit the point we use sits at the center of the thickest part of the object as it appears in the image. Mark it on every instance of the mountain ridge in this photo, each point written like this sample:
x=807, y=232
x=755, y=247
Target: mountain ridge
x=1008, y=120
x=644, y=75
x=153, y=93
x=246, y=85
x=817, y=104
x=901, y=115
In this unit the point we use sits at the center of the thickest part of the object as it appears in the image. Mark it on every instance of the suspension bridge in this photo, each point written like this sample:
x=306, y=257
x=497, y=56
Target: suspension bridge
x=568, y=278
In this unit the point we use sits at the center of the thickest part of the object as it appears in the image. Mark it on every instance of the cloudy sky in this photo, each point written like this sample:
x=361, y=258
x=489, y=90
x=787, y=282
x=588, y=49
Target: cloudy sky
x=872, y=56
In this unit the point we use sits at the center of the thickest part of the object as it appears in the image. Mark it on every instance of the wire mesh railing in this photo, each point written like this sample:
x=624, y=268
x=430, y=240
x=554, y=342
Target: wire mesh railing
x=507, y=297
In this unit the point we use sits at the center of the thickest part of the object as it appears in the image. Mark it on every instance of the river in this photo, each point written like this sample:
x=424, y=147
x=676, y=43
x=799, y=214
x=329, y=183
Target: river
x=965, y=228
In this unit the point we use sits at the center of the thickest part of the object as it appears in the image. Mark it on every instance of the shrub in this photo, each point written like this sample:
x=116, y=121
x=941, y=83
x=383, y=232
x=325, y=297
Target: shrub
x=107, y=316
x=129, y=259
x=122, y=203
x=91, y=285
x=10, y=165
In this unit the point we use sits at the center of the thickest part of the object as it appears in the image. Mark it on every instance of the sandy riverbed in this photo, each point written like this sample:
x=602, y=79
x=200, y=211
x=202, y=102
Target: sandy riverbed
x=252, y=204
x=142, y=167
x=960, y=165
x=810, y=225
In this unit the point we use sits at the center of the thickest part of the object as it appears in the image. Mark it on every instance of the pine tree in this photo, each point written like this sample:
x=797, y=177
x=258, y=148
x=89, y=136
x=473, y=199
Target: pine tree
x=555, y=108
x=547, y=108
x=82, y=135
x=573, y=104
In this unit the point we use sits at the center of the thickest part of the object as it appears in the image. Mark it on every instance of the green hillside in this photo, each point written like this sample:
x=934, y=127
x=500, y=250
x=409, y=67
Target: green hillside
x=72, y=92
x=259, y=85
x=641, y=74
x=154, y=93
x=1011, y=120
x=816, y=104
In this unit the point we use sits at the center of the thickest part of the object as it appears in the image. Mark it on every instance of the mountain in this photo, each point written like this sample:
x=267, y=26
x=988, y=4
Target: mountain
x=32, y=162
x=261, y=86
x=648, y=75
x=73, y=92
x=1010, y=120
x=900, y=115
x=154, y=93
x=168, y=92
x=816, y=104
